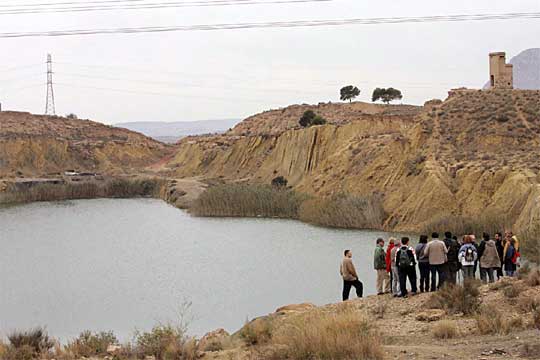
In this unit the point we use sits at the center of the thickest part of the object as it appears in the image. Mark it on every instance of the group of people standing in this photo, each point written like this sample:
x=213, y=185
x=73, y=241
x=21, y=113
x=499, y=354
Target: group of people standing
x=439, y=262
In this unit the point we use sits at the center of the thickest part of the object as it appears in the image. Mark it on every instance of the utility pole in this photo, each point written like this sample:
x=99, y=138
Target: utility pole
x=49, y=106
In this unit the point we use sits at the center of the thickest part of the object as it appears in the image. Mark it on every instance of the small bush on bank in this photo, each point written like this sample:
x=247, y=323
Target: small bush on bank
x=533, y=279
x=37, y=339
x=257, y=332
x=163, y=342
x=242, y=200
x=528, y=303
x=490, y=320
x=512, y=290
x=91, y=344
x=343, y=335
x=344, y=211
x=457, y=299
x=530, y=244
x=445, y=329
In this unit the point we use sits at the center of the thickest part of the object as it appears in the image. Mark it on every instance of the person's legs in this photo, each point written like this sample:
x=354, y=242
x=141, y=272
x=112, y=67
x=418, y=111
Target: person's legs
x=499, y=273
x=452, y=276
x=442, y=275
x=380, y=279
x=346, y=289
x=411, y=274
x=387, y=284
x=423, y=269
x=395, y=273
x=433, y=270
x=483, y=274
x=468, y=272
x=403, y=282
x=359, y=287
x=491, y=274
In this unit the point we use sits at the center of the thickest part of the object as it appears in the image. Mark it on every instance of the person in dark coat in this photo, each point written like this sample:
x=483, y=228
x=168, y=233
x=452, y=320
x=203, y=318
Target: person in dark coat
x=406, y=264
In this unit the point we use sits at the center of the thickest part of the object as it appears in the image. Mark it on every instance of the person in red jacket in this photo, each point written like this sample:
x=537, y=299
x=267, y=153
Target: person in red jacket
x=391, y=245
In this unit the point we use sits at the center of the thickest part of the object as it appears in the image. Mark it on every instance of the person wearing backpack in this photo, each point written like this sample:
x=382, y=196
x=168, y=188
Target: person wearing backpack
x=467, y=257
x=452, y=265
x=436, y=252
x=423, y=263
x=511, y=258
x=489, y=259
x=406, y=267
x=379, y=263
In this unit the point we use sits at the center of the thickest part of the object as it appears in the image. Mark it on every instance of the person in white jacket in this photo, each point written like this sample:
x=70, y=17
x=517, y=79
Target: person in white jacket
x=467, y=257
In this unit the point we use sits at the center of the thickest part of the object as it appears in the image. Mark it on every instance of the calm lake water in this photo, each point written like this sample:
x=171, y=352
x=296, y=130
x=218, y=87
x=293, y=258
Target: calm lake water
x=123, y=265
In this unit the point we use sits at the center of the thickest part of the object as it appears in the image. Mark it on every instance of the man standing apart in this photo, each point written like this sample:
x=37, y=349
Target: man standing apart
x=379, y=263
x=436, y=252
x=350, y=277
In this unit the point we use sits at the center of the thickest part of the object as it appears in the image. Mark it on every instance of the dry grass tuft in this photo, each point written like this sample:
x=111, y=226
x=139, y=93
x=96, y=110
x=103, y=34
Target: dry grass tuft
x=491, y=321
x=489, y=222
x=445, y=329
x=536, y=318
x=257, y=332
x=512, y=290
x=343, y=335
x=528, y=303
x=533, y=279
x=457, y=299
x=379, y=310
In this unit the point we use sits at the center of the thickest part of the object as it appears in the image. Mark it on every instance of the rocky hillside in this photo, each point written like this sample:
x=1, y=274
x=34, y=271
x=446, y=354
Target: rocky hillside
x=474, y=152
x=35, y=145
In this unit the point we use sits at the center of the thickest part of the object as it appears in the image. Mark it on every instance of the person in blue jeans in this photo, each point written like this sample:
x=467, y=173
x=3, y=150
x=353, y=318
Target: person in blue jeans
x=509, y=259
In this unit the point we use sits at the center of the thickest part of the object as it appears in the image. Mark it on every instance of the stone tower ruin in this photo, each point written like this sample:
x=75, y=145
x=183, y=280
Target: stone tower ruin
x=500, y=73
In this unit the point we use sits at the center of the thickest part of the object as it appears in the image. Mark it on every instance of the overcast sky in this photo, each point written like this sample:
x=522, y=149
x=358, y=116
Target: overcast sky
x=183, y=76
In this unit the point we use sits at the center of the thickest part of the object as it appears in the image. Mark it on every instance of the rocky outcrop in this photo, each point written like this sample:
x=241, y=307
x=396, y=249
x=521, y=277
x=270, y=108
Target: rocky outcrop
x=35, y=145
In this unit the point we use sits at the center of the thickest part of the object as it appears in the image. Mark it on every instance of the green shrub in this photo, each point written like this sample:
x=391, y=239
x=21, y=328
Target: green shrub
x=91, y=344
x=163, y=342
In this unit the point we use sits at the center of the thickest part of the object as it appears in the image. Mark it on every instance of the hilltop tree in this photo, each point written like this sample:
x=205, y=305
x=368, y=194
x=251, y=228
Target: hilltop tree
x=386, y=95
x=72, y=116
x=349, y=93
x=310, y=118
x=279, y=182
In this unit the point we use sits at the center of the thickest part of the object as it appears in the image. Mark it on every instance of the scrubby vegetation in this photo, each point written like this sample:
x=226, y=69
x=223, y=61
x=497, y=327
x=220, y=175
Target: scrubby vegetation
x=445, y=329
x=257, y=332
x=26, y=345
x=310, y=118
x=344, y=211
x=490, y=320
x=341, y=335
x=456, y=298
x=91, y=344
x=242, y=200
x=112, y=188
x=248, y=200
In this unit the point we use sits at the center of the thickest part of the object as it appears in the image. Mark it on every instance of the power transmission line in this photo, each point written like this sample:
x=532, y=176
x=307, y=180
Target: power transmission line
x=282, y=24
x=49, y=102
x=158, y=5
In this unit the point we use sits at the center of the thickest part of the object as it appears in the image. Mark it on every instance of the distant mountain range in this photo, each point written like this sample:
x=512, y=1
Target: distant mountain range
x=171, y=132
x=526, y=70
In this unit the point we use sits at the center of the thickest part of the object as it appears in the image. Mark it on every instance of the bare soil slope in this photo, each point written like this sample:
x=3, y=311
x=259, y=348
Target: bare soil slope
x=474, y=152
x=35, y=145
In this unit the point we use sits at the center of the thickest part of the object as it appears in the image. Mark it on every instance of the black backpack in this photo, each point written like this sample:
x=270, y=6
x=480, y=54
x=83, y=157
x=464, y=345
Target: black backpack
x=404, y=260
